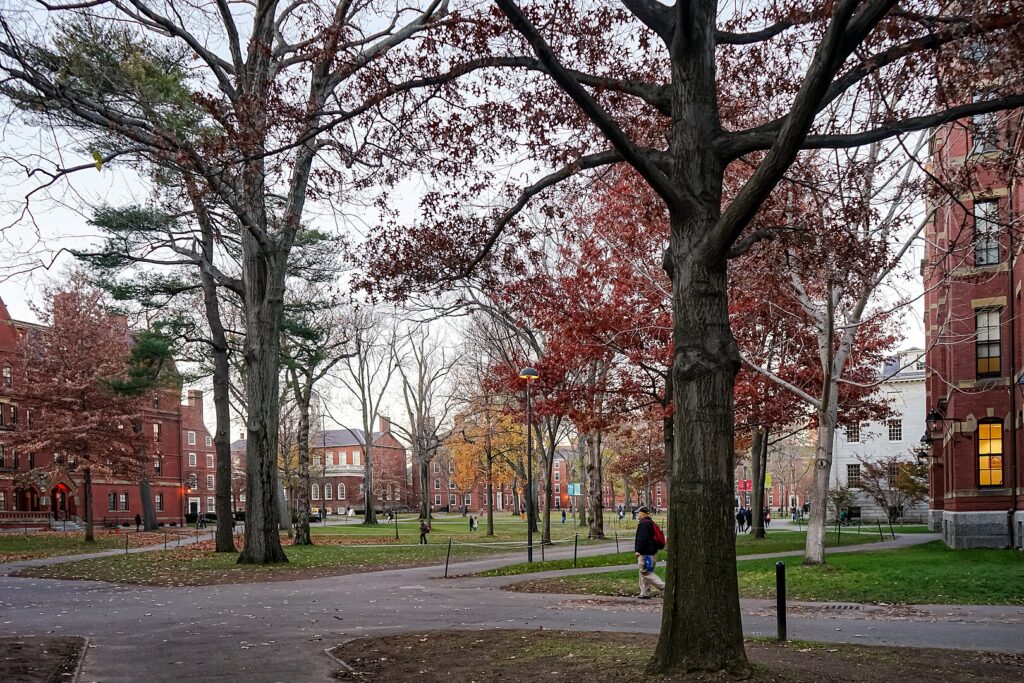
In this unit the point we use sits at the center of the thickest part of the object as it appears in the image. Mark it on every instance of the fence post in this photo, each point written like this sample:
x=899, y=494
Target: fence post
x=575, y=544
x=447, y=557
x=780, y=599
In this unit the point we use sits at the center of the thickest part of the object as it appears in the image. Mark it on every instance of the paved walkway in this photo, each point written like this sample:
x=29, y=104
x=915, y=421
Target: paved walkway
x=279, y=631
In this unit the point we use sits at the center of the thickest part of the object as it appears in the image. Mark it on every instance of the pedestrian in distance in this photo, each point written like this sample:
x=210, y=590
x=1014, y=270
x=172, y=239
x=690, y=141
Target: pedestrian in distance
x=138, y=521
x=424, y=530
x=649, y=540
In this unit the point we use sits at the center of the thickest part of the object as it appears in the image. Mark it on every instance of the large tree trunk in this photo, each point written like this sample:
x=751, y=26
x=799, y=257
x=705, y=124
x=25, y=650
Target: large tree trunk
x=701, y=627
x=595, y=489
x=423, y=472
x=148, y=508
x=370, y=513
x=262, y=356
x=758, y=462
x=87, y=494
x=814, y=550
x=302, y=535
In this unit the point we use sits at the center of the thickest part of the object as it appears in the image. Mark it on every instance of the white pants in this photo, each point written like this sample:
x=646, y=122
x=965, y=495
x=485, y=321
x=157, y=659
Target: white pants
x=648, y=580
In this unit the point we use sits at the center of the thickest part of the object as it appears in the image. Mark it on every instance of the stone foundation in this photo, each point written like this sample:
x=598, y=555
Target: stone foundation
x=976, y=529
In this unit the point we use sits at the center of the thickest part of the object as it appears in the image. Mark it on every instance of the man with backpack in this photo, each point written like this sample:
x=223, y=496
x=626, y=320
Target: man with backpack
x=649, y=540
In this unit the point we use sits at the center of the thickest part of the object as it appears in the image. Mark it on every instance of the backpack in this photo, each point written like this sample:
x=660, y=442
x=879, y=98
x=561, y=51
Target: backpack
x=659, y=536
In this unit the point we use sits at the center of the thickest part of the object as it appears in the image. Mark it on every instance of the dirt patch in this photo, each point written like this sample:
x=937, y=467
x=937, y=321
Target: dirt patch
x=33, y=659
x=542, y=655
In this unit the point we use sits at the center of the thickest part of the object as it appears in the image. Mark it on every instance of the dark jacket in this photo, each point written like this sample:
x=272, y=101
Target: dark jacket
x=644, y=543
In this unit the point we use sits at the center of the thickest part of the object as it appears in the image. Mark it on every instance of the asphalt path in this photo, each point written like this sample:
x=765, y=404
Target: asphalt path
x=279, y=631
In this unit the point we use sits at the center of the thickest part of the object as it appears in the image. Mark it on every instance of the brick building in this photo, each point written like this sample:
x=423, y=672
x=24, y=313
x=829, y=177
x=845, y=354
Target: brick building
x=29, y=496
x=972, y=279
x=337, y=462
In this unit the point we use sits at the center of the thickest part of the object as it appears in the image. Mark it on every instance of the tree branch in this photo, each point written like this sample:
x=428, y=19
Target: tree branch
x=658, y=181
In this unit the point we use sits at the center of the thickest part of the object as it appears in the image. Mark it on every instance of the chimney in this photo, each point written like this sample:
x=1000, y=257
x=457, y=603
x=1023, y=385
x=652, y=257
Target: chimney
x=195, y=399
x=385, y=424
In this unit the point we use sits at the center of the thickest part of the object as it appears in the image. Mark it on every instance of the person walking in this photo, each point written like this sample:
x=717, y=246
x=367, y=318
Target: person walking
x=138, y=521
x=649, y=540
x=424, y=530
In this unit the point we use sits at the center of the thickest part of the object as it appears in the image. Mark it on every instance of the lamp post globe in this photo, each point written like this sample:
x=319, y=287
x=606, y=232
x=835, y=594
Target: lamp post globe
x=529, y=374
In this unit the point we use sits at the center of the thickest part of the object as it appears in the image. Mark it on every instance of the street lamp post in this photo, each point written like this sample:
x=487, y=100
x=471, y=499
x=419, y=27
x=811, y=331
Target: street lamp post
x=529, y=374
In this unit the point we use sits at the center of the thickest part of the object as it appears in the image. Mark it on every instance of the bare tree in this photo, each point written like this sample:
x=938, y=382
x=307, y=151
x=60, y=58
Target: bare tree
x=367, y=374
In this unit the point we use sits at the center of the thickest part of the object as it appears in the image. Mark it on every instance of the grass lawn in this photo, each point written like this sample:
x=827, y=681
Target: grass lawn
x=776, y=542
x=506, y=529
x=516, y=656
x=924, y=574
x=16, y=547
x=199, y=565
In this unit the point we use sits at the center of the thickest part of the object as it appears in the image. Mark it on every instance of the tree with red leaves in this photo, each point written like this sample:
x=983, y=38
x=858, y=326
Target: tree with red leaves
x=70, y=372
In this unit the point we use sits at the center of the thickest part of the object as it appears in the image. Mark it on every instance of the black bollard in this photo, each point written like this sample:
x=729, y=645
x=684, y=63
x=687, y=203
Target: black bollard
x=780, y=599
x=447, y=557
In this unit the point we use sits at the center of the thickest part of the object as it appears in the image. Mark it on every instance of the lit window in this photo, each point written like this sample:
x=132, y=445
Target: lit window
x=895, y=430
x=191, y=438
x=990, y=453
x=853, y=476
x=986, y=233
x=853, y=433
x=987, y=347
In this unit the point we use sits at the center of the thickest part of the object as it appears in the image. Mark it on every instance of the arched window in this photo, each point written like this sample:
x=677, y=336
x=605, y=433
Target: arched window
x=315, y=495
x=341, y=492
x=328, y=492
x=8, y=375
x=990, y=453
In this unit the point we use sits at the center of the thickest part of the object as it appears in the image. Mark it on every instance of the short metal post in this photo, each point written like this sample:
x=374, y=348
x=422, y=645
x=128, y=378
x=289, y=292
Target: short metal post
x=447, y=557
x=780, y=599
x=616, y=541
x=880, y=536
x=575, y=544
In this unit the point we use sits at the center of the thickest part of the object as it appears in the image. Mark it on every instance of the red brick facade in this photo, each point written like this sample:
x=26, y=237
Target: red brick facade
x=972, y=302
x=30, y=497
